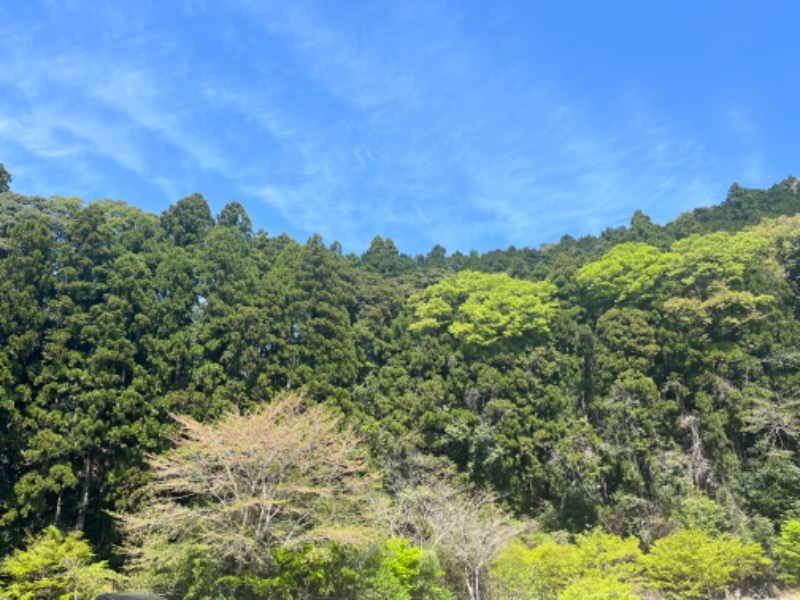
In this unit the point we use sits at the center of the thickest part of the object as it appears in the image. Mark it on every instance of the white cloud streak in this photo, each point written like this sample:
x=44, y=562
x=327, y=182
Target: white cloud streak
x=398, y=126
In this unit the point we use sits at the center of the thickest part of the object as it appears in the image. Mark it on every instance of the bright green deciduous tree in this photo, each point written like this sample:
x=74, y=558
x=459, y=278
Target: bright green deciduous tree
x=55, y=566
x=595, y=584
x=627, y=272
x=701, y=260
x=407, y=572
x=521, y=572
x=788, y=551
x=609, y=555
x=691, y=563
x=596, y=561
x=305, y=571
x=481, y=308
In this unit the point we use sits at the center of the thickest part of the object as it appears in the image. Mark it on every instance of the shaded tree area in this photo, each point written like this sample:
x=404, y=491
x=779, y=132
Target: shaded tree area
x=643, y=381
x=5, y=179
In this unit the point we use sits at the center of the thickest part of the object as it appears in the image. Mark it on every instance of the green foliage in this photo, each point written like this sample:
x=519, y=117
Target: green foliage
x=5, y=179
x=773, y=489
x=702, y=260
x=788, y=551
x=693, y=564
x=405, y=571
x=188, y=220
x=628, y=272
x=306, y=572
x=702, y=513
x=322, y=355
x=597, y=585
x=629, y=380
x=520, y=572
x=609, y=554
x=596, y=561
x=56, y=566
x=242, y=495
x=482, y=309
x=234, y=215
x=383, y=257
x=742, y=207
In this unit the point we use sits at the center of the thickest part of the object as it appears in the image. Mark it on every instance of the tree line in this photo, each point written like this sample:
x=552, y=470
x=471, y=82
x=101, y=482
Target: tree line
x=629, y=390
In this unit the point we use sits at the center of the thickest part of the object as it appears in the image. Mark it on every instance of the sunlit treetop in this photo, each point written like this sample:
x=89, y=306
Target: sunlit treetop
x=481, y=308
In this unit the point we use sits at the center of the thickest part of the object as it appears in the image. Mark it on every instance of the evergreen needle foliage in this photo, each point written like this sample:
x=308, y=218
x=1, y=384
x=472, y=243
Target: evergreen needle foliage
x=225, y=412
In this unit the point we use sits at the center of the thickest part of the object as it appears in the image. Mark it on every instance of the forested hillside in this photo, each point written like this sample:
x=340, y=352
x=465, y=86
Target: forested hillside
x=409, y=427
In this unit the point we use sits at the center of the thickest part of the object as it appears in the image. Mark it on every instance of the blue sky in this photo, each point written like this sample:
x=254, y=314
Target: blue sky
x=474, y=124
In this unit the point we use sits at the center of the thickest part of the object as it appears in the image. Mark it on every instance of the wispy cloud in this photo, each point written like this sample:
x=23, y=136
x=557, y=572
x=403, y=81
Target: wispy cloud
x=739, y=123
x=499, y=168
x=427, y=122
x=75, y=103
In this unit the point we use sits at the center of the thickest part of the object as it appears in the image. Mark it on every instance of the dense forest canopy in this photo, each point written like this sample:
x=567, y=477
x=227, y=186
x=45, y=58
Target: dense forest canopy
x=620, y=390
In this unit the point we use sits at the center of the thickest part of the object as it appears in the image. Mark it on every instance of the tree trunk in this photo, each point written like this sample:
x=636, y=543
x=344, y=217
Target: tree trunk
x=59, y=501
x=87, y=482
x=472, y=579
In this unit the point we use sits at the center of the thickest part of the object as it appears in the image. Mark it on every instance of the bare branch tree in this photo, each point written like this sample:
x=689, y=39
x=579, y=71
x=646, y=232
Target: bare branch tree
x=465, y=527
x=285, y=475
